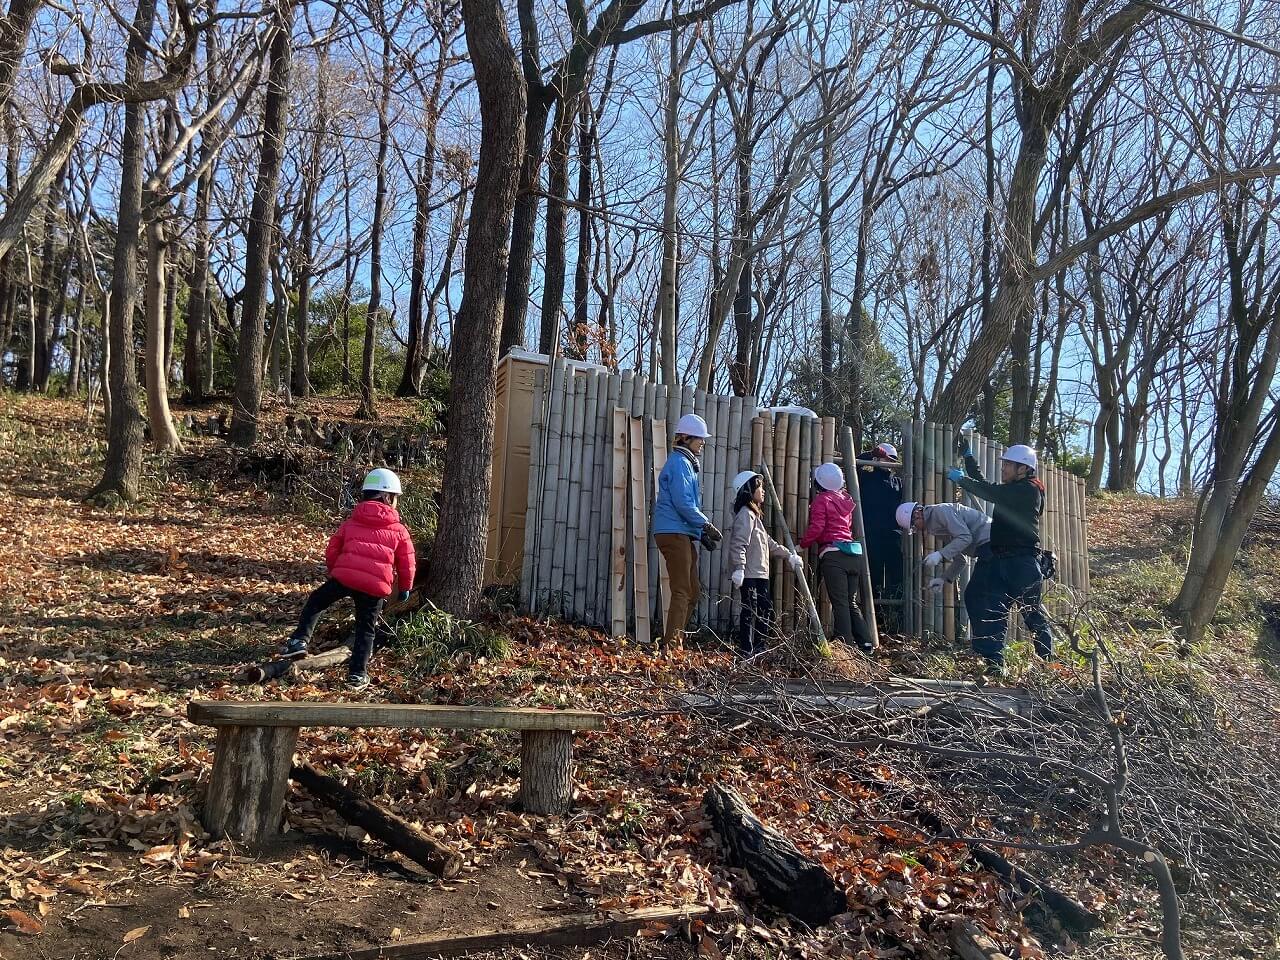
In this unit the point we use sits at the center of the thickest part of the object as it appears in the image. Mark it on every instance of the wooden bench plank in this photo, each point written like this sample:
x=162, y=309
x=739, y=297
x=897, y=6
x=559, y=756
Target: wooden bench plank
x=224, y=713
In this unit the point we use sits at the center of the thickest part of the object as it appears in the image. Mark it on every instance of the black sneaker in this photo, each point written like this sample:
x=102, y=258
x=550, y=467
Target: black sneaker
x=294, y=647
x=357, y=681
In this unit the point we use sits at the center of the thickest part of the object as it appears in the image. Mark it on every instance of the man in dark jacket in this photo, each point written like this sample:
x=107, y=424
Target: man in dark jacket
x=1008, y=570
x=881, y=489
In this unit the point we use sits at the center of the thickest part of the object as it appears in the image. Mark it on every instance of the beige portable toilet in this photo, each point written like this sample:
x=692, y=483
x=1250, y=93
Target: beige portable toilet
x=509, y=490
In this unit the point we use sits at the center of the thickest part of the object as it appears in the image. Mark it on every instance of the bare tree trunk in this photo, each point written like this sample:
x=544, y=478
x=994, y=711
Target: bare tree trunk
x=261, y=234
x=367, y=410
x=666, y=320
x=14, y=28
x=123, y=468
x=557, y=191
x=415, y=349
x=582, y=266
x=457, y=557
x=76, y=348
x=41, y=346
x=524, y=223
x=163, y=435
x=826, y=327
x=199, y=307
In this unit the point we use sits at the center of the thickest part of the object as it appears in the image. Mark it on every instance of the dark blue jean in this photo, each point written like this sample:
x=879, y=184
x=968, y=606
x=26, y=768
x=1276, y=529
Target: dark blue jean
x=367, y=610
x=997, y=584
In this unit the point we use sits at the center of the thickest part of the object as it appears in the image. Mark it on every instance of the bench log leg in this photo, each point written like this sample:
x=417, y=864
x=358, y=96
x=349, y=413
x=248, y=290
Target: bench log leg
x=250, y=779
x=546, y=770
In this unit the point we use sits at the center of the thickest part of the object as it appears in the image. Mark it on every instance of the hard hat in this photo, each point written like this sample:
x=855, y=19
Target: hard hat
x=692, y=425
x=742, y=479
x=829, y=476
x=1021, y=453
x=382, y=480
x=903, y=514
x=888, y=451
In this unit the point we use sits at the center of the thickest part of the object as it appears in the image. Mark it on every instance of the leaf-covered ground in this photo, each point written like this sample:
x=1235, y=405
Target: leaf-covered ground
x=111, y=620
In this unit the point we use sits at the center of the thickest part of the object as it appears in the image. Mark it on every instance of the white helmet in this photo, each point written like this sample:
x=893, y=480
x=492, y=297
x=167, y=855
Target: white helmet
x=692, y=425
x=742, y=479
x=888, y=451
x=382, y=480
x=829, y=476
x=903, y=514
x=1021, y=453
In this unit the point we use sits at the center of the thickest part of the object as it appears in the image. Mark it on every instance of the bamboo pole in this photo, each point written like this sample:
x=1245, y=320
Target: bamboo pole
x=803, y=427
x=618, y=554
x=949, y=591
x=640, y=532
x=602, y=441
x=910, y=547
x=849, y=455
x=579, y=519
x=659, y=433
x=810, y=608
x=551, y=493
x=782, y=426
x=929, y=495
x=533, y=497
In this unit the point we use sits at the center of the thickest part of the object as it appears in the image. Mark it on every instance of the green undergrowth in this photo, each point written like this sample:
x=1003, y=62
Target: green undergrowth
x=436, y=640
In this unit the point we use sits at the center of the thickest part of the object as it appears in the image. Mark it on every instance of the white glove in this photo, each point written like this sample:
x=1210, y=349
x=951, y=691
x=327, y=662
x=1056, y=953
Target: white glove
x=796, y=563
x=936, y=584
x=737, y=577
x=933, y=559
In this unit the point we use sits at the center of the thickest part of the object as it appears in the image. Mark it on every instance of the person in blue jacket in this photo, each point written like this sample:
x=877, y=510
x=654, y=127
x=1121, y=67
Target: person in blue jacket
x=679, y=523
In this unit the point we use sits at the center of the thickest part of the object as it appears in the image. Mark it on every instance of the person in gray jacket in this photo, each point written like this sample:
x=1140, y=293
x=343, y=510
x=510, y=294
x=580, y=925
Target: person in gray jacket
x=750, y=550
x=965, y=531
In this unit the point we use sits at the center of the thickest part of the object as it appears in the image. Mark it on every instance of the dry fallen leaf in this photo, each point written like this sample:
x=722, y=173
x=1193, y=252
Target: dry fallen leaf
x=24, y=922
x=708, y=949
x=137, y=933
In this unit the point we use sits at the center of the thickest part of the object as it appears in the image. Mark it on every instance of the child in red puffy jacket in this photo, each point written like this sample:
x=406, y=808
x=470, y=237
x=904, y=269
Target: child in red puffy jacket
x=831, y=531
x=365, y=555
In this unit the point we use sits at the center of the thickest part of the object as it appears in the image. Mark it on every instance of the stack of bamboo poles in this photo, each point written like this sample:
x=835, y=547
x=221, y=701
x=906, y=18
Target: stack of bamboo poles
x=599, y=441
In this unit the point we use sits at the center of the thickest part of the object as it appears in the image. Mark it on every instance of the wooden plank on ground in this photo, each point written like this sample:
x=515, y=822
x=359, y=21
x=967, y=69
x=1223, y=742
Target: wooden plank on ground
x=565, y=930
x=639, y=532
x=287, y=713
x=618, y=553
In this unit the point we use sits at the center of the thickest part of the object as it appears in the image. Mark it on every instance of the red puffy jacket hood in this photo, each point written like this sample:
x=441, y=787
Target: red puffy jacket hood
x=371, y=549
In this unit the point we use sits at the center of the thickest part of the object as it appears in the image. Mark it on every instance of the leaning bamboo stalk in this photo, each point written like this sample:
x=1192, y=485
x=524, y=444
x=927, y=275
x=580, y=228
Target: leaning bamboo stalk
x=849, y=455
x=803, y=427
x=781, y=435
x=909, y=546
x=810, y=608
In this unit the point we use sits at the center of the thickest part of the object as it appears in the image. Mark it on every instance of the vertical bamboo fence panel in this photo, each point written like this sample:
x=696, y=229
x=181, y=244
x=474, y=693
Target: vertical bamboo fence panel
x=598, y=442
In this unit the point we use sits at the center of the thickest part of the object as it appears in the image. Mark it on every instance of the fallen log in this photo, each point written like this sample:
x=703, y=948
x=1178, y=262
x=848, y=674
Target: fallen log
x=784, y=877
x=275, y=669
x=1073, y=914
x=970, y=943
x=568, y=930
x=395, y=832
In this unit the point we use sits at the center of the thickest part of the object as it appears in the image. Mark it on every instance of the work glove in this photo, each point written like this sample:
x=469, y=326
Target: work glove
x=737, y=577
x=963, y=448
x=710, y=536
x=404, y=595
x=933, y=559
x=936, y=584
x=955, y=474
x=797, y=564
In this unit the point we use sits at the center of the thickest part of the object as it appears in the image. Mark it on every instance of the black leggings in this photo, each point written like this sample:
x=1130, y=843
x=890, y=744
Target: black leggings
x=840, y=574
x=367, y=610
x=755, y=625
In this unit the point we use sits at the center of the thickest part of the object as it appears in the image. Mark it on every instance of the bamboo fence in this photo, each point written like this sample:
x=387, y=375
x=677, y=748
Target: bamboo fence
x=597, y=446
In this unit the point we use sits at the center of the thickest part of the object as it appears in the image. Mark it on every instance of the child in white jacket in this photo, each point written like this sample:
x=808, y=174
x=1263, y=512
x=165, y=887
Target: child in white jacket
x=750, y=550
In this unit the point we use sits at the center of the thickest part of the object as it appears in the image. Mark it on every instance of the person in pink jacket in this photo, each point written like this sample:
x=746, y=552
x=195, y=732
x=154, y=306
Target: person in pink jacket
x=831, y=531
x=365, y=556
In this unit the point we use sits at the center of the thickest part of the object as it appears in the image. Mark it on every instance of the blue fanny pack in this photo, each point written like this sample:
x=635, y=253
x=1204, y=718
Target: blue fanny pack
x=850, y=548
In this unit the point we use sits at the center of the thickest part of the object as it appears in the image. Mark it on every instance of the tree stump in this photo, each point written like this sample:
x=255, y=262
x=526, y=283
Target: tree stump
x=250, y=778
x=546, y=770
x=784, y=877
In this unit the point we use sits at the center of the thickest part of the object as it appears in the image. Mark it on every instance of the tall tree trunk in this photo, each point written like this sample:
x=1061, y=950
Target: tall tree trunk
x=456, y=569
x=163, y=435
x=42, y=345
x=199, y=307
x=557, y=191
x=666, y=314
x=123, y=468
x=829, y=404
x=261, y=234
x=14, y=28
x=582, y=266
x=367, y=410
x=524, y=223
x=415, y=351
x=76, y=346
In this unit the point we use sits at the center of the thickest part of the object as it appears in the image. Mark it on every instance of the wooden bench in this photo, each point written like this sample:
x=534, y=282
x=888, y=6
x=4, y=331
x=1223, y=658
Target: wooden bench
x=256, y=743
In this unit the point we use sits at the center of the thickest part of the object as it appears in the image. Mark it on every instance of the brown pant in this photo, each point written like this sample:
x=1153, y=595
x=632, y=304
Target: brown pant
x=681, y=555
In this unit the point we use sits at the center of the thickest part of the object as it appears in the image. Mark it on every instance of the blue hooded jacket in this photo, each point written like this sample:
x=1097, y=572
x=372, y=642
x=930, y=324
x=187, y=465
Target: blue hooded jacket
x=678, y=507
